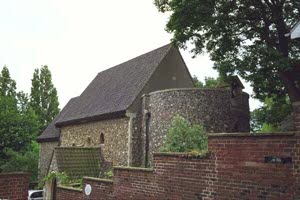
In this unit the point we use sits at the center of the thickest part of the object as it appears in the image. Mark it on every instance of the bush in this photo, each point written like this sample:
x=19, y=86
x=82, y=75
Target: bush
x=269, y=128
x=109, y=174
x=185, y=137
x=25, y=162
x=63, y=178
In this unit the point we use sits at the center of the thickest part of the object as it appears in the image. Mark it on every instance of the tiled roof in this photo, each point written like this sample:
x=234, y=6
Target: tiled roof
x=79, y=161
x=51, y=133
x=115, y=89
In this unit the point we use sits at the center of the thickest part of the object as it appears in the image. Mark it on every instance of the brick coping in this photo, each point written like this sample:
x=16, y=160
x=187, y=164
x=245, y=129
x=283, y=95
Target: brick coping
x=182, y=155
x=134, y=169
x=211, y=135
x=296, y=103
x=76, y=147
x=98, y=179
x=69, y=188
x=15, y=174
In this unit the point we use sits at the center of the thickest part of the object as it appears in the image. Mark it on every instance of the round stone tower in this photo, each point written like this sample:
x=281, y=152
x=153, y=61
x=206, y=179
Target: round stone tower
x=218, y=110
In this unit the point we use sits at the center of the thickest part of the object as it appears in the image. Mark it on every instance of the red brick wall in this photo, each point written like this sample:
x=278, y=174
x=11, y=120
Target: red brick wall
x=101, y=188
x=175, y=176
x=134, y=183
x=243, y=174
x=296, y=115
x=184, y=177
x=65, y=193
x=235, y=169
x=14, y=186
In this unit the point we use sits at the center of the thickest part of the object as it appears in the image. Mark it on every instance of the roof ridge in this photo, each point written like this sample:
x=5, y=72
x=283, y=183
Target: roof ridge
x=167, y=51
x=115, y=89
x=169, y=44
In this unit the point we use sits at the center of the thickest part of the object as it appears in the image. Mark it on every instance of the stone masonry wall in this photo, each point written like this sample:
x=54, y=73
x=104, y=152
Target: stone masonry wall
x=240, y=113
x=210, y=107
x=236, y=168
x=115, y=131
x=171, y=73
x=46, y=152
x=14, y=186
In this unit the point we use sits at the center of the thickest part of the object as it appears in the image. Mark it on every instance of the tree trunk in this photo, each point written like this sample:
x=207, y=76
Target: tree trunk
x=288, y=77
x=289, y=80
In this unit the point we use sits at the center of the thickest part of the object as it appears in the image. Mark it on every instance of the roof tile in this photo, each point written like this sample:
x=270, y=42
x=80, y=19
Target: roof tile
x=51, y=133
x=116, y=88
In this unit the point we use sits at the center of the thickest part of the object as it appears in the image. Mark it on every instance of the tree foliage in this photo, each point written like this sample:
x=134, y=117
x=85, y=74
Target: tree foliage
x=7, y=84
x=267, y=118
x=43, y=97
x=185, y=137
x=21, y=118
x=23, y=161
x=18, y=126
x=244, y=37
x=18, y=122
x=209, y=82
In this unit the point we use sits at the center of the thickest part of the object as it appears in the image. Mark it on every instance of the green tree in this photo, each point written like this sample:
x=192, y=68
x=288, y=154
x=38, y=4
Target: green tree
x=35, y=95
x=43, y=97
x=209, y=82
x=18, y=124
x=23, y=161
x=244, y=37
x=267, y=118
x=185, y=137
x=23, y=102
x=8, y=106
x=197, y=82
x=7, y=84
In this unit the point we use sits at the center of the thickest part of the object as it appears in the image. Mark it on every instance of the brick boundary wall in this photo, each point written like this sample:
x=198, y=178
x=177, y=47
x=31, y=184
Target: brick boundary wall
x=296, y=115
x=101, y=188
x=65, y=193
x=241, y=166
x=14, y=186
x=236, y=168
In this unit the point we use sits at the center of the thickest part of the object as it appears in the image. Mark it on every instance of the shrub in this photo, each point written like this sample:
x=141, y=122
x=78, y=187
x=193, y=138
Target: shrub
x=182, y=136
x=26, y=162
x=109, y=174
x=269, y=128
x=63, y=178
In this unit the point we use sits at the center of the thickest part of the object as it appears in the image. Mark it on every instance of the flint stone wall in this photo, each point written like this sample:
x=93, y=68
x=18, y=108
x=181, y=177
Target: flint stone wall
x=115, y=147
x=171, y=73
x=46, y=152
x=214, y=108
x=240, y=113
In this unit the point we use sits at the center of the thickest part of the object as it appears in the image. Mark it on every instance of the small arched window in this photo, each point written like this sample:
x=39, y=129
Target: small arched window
x=101, y=138
x=88, y=141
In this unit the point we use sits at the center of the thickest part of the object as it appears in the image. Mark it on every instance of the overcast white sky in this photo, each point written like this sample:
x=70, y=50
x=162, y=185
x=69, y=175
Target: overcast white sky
x=79, y=38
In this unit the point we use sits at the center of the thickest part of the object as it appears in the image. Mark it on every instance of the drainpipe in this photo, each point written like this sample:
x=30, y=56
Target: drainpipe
x=147, y=121
x=130, y=130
